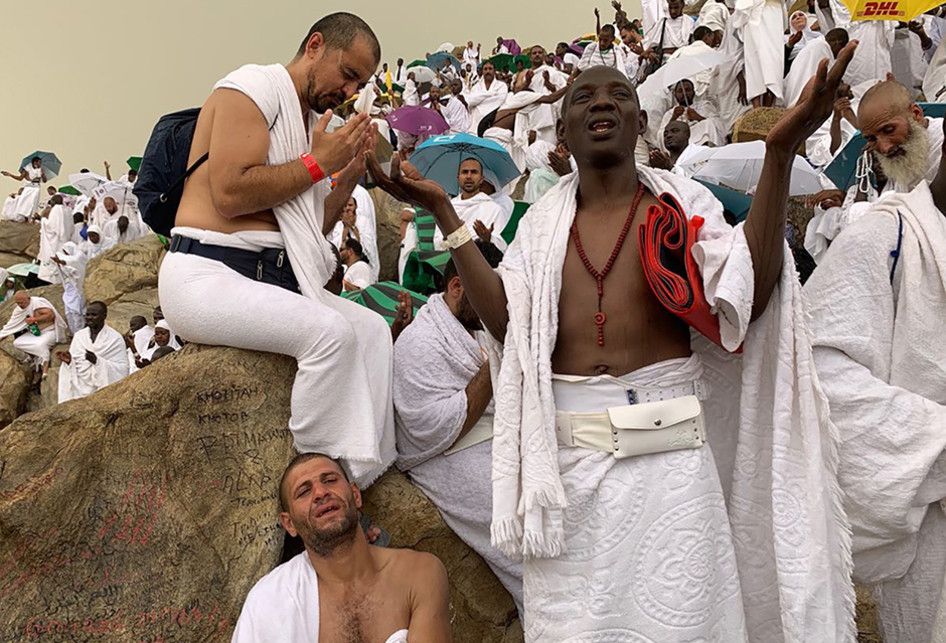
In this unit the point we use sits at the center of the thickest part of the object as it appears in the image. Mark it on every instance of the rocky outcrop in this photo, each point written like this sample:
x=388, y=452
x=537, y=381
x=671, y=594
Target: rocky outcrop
x=14, y=383
x=123, y=269
x=20, y=239
x=148, y=510
x=388, y=220
x=755, y=124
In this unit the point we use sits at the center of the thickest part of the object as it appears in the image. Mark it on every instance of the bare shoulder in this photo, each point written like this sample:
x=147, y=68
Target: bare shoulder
x=413, y=566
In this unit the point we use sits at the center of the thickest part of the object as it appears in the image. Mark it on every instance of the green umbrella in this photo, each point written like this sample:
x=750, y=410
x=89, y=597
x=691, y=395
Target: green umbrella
x=423, y=268
x=134, y=163
x=509, y=232
x=417, y=63
x=504, y=62
x=68, y=189
x=382, y=298
x=526, y=61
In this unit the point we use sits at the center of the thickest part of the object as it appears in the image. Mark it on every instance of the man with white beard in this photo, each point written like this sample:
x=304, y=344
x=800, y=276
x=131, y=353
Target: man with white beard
x=485, y=96
x=876, y=305
x=908, y=145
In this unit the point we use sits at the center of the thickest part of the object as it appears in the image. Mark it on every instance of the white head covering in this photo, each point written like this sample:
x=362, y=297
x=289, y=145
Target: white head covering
x=163, y=324
x=807, y=35
x=97, y=230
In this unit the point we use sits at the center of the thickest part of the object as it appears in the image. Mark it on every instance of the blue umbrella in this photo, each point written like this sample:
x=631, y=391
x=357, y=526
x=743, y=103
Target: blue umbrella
x=50, y=162
x=439, y=158
x=843, y=166
x=435, y=60
x=733, y=200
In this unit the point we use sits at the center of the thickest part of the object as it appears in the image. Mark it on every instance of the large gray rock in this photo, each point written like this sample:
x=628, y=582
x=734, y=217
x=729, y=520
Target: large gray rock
x=146, y=512
x=21, y=239
x=14, y=384
x=123, y=269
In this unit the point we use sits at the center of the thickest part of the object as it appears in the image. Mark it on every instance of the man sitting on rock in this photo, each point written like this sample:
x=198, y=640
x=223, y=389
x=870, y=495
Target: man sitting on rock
x=36, y=327
x=444, y=417
x=96, y=357
x=341, y=588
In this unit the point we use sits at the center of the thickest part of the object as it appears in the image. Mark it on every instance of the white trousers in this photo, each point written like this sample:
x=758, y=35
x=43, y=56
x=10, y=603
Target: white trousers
x=343, y=350
x=37, y=346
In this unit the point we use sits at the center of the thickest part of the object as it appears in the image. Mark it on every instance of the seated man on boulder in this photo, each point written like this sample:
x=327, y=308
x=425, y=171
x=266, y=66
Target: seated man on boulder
x=341, y=588
x=36, y=327
x=96, y=357
x=444, y=416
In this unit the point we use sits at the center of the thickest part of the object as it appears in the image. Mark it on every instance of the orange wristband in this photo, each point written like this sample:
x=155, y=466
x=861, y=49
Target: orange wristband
x=313, y=167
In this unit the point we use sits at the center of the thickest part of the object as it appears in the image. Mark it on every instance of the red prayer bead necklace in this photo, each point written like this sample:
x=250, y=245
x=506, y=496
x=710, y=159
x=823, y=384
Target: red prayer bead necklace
x=600, y=317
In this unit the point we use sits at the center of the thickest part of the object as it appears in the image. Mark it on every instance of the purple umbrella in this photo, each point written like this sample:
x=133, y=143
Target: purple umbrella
x=512, y=46
x=417, y=120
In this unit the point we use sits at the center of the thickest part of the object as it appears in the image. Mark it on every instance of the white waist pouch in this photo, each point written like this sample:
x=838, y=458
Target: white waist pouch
x=636, y=429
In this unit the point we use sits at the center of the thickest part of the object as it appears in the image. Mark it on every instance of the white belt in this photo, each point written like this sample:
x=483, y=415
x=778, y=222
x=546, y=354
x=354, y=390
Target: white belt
x=657, y=420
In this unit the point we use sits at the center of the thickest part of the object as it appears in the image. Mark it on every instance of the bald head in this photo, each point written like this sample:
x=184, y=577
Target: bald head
x=886, y=114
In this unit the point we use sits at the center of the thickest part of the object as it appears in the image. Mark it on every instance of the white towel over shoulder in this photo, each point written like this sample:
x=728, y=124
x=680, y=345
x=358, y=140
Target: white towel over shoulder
x=791, y=537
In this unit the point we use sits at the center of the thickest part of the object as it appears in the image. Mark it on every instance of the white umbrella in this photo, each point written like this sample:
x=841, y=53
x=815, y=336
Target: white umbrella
x=422, y=74
x=739, y=165
x=679, y=69
x=86, y=182
x=118, y=190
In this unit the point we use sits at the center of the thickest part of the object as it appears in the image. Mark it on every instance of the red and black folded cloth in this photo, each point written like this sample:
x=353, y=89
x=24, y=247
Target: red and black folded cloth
x=666, y=242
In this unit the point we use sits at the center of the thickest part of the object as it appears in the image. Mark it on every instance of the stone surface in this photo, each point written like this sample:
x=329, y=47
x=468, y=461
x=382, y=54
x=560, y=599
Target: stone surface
x=388, y=217
x=755, y=124
x=14, y=383
x=8, y=259
x=19, y=239
x=123, y=269
x=145, y=512
x=868, y=627
x=481, y=608
x=52, y=293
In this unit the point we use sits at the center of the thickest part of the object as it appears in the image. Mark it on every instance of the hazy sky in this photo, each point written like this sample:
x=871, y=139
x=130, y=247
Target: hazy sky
x=88, y=80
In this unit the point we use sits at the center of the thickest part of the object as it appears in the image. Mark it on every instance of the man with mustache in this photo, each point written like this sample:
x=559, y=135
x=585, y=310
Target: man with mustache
x=877, y=305
x=341, y=588
x=249, y=260
x=627, y=535
x=906, y=144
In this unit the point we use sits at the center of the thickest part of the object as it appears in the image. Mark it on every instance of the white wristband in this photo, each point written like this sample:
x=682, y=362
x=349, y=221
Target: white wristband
x=458, y=237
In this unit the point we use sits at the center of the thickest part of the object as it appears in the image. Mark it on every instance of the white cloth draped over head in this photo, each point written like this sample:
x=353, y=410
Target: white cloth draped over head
x=300, y=221
x=881, y=357
x=81, y=377
x=807, y=35
x=790, y=535
x=714, y=15
x=434, y=363
x=593, y=56
x=17, y=321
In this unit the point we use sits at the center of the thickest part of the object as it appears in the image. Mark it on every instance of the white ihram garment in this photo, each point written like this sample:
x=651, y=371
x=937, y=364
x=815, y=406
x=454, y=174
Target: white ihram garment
x=283, y=606
x=762, y=24
x=705, y=132
x=28, y=200
x=881, y=357
x=54, y=230
x=339, y=345
x=594, y=57
x=478, y=207
x=777, y=472
x=724, y=87
x=434, y=360
x=73, y=278
x=37, y=346
x=366, y=220
x=81, y=377
x=482, y=100
x=804, y=67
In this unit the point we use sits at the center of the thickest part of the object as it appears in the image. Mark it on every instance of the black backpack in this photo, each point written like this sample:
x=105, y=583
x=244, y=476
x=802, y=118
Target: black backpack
x=164, y=169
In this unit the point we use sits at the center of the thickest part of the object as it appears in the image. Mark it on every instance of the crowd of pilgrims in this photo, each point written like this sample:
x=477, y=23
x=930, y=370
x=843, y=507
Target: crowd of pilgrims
x=511, y=94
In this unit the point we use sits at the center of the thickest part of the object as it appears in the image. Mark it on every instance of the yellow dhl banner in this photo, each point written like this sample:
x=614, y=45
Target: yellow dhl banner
x=903, y=10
